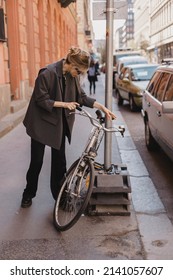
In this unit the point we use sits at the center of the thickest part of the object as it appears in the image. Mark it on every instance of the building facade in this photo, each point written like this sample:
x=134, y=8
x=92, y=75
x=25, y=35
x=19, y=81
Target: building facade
x=84, y=25
x=161, y=29
x=127, y=31
x=142, y=24
x=154, y=28
x=33, y=33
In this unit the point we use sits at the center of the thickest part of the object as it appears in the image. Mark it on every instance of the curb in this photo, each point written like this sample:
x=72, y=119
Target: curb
x=11, y=120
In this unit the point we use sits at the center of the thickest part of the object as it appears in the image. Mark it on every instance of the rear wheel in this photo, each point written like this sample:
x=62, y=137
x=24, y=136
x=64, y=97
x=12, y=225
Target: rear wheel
x=74, y=194
x=149, y=140
x=132, y=104
x=119, y=99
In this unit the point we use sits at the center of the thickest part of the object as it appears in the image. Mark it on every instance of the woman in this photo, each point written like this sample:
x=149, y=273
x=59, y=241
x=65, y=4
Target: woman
x=57, y=92
x=92, y=76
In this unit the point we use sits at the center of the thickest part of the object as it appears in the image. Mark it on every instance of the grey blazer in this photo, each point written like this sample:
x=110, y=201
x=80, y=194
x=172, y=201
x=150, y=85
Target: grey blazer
x=43, y=122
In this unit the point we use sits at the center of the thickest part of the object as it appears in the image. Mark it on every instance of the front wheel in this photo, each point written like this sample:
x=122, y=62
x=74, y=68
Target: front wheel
x=74, y=194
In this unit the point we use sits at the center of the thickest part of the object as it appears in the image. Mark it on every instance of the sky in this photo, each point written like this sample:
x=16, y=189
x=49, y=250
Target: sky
x=99, y=26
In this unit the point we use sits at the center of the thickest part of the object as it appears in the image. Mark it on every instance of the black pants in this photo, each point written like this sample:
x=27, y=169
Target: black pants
x=92, y=82
x=58, y=168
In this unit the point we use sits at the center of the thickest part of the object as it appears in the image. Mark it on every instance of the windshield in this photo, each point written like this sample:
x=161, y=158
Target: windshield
x=142, y=74
x=140, y=61
x=118, y=56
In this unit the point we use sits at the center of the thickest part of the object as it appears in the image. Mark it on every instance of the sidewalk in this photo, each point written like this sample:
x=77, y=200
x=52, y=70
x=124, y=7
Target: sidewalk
x=29, y=233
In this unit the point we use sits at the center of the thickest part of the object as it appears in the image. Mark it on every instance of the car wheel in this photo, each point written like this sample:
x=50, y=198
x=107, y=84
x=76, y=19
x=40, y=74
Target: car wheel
x=132, y=104
x=119, y=99
x=149, y=140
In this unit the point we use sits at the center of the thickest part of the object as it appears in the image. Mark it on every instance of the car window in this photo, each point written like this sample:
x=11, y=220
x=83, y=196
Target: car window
x=122, y=64
x=123, y=71
x=159, y=90
x=120, y=67
x=143, y=73
x=135, y=62
x=126, y=73
x=154, y=81
x=169, y=90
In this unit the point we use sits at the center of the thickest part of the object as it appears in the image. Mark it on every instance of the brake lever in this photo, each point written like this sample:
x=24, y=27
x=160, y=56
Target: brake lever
x=78, y=108
x=100, y=116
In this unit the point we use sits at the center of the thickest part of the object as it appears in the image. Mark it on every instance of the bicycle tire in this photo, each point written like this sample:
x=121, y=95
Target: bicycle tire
x=72, y=202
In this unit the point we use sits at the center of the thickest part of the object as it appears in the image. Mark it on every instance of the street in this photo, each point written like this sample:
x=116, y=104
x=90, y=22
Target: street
x=159, y=166
x=30, y=234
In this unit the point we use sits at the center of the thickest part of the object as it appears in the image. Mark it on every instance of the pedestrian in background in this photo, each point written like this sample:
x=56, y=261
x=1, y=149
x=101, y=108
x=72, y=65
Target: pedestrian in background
x=92, y=77
x=57, y=92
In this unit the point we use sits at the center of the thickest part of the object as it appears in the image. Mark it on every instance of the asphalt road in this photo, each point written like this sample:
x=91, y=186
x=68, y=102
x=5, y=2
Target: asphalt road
x=159, y=166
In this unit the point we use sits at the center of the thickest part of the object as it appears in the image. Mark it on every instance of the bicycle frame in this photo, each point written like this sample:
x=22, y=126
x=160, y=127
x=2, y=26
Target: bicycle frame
x=93, y=140
x=98, y=129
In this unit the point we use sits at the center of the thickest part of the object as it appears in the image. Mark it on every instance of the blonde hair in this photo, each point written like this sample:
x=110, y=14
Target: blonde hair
x=78, y=57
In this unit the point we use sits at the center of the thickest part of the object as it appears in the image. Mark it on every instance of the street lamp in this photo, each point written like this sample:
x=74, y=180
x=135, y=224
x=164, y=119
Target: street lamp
x=109, y=78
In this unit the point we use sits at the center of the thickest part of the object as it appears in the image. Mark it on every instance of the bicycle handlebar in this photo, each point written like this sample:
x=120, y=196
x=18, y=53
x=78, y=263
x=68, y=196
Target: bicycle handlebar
x=87, y=114
x=99, y=123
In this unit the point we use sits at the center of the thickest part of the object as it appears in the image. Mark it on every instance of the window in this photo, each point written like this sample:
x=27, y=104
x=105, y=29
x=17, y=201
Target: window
x=126, y=74
x=2, y=27
x=169, y=90
x=143, y=73
x=153, y=82
x=159, y=90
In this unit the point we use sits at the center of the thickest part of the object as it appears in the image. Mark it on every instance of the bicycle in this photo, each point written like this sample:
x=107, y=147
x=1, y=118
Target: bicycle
x=78, y=182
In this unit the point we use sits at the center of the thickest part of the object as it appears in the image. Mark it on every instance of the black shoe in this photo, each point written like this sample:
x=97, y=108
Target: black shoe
x=26, y=202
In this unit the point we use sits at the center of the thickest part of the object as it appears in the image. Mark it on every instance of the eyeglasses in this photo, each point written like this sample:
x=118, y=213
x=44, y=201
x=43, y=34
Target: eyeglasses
x=78, y=71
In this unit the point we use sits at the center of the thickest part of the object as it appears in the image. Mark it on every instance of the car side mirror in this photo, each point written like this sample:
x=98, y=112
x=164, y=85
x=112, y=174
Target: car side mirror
x=167, y=107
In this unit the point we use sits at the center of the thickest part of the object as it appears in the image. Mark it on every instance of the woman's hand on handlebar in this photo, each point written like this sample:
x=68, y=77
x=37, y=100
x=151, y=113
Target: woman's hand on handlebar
x=71, y=105
x=109, y=114
x=66, y=105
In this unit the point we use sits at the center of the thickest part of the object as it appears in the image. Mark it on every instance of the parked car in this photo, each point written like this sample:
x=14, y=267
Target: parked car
x=131, y=82
x=157, y=110
x=125, y=61
x=119, y=53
